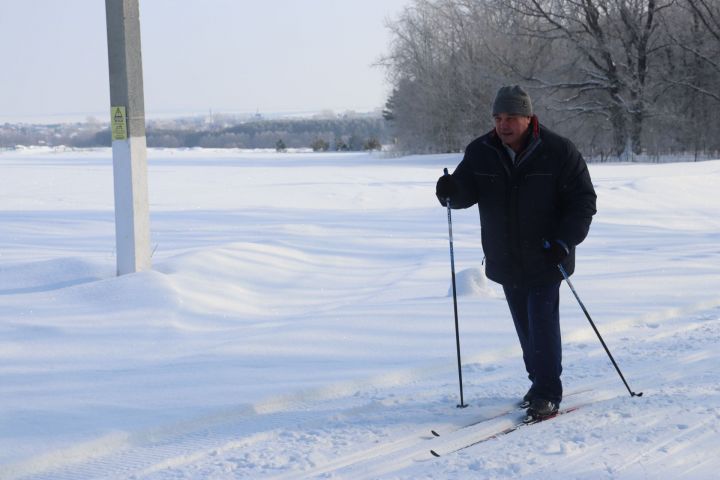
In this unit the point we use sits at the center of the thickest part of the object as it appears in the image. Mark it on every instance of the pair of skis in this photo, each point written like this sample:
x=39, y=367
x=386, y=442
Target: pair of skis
x=518, y=422
x=517, y=419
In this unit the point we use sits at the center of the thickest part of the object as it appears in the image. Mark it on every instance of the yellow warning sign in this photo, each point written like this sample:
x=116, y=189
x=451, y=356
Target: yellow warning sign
x=118, y=123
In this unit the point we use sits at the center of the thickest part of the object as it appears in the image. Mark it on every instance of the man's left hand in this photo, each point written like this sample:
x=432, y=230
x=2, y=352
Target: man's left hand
x=555, y=251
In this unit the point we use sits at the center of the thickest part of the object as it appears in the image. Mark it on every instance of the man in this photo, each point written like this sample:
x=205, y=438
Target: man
x=536, y=202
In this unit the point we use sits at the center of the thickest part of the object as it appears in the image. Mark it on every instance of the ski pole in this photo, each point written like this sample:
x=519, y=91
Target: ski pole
x=452, y=270
x=567, y=279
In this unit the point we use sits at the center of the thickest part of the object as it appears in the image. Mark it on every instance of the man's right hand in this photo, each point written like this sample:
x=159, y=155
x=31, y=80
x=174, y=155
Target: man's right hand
x=446, y=188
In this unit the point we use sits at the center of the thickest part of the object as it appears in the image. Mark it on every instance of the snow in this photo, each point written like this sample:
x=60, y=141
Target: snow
x=298, y=324
x=473, y=282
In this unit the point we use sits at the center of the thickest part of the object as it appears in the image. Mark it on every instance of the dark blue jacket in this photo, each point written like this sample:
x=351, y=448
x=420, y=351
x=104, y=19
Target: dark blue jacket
x=546, y=194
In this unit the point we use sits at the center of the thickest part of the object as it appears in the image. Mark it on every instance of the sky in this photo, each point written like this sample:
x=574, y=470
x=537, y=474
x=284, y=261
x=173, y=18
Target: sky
x=235, y=56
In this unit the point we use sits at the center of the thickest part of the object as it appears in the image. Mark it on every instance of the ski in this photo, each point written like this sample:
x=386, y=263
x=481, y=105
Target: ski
x=478, y=421
x=524, y=422
x=508, y=411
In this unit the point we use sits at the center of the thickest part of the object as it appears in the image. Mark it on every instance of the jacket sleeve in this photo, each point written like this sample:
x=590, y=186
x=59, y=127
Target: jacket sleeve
x=465, y=179
x=577, y=199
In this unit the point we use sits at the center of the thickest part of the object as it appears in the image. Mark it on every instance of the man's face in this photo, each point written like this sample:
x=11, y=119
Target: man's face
x=511, y=129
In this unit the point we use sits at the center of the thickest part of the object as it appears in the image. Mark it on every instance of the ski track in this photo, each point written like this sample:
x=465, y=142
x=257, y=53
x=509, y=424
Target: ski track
x=308, y=436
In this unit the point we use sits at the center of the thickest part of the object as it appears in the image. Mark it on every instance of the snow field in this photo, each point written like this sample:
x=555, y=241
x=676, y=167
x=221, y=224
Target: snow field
x=297, y=324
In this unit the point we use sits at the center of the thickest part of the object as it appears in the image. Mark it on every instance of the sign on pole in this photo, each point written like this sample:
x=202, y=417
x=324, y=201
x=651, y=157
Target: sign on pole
x=119, y=125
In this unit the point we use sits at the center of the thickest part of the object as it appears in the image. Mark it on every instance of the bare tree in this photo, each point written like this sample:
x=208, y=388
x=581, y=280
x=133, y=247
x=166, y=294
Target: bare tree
x=692, y=74
x=618, y=76
x=703, y=44
x=442, y=84
x=611, y=45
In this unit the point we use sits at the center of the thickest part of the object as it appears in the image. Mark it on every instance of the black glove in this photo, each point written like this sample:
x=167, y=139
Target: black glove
x=555, y=251
x=446, y=187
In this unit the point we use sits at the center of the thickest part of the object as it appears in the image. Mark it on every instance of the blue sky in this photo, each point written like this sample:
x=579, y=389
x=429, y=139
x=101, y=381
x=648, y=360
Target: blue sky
x=224, y=55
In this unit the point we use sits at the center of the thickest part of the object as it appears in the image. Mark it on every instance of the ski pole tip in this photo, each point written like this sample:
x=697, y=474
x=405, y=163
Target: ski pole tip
x=462, y=405
x=637, y=394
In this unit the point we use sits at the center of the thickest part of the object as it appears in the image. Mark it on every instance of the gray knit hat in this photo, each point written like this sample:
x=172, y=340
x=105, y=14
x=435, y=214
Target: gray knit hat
x=512, y=100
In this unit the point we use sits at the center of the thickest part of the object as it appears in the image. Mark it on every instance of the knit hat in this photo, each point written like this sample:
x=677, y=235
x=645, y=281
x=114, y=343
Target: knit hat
x=512, y=100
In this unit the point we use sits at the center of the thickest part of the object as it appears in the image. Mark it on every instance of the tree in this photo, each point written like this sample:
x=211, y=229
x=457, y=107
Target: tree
x=280, y=146
x=703, y=44
x=442, y=86
x=320, y=145
x=372, y=144
x=355, y=143
x=612, y=45
x=692, y=75
x=340, y=145
x=617, y=76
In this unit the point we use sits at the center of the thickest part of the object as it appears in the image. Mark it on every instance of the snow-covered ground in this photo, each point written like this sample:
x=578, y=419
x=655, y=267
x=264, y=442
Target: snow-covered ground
x=297, y=324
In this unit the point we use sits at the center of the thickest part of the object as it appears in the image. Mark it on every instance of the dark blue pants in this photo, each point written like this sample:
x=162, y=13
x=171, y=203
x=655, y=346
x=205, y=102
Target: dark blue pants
x=536, y=314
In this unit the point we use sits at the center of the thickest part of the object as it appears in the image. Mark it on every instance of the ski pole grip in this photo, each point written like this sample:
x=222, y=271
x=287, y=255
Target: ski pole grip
x=447, y=200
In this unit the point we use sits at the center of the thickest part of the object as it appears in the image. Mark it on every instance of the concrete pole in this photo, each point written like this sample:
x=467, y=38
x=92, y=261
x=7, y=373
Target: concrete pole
x=127, y=113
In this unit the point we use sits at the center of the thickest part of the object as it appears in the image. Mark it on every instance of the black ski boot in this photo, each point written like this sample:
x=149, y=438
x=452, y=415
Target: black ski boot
x=541, y=409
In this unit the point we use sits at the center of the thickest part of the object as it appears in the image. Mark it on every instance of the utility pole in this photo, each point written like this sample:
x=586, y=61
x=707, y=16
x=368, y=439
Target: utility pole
x=129, y=148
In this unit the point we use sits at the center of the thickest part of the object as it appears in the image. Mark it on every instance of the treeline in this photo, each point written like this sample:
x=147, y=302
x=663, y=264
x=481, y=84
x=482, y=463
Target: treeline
x=342, y=134
x=619, y=77
x=337, y=134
